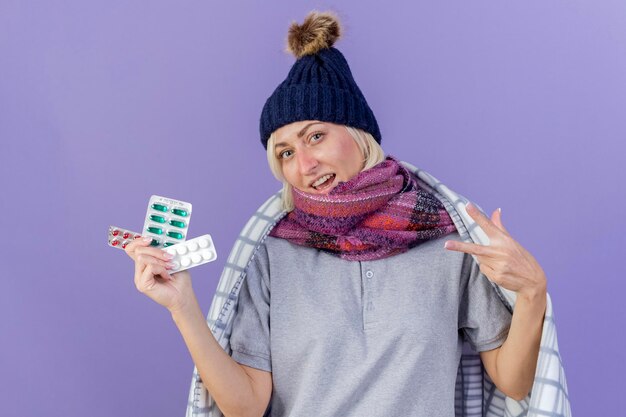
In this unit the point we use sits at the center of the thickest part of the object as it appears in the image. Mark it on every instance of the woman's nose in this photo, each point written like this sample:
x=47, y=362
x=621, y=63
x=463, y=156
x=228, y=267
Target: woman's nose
x=306, y=161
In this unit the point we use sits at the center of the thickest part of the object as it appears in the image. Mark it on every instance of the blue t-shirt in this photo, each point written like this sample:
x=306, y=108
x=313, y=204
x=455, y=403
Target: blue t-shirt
x=364, y=338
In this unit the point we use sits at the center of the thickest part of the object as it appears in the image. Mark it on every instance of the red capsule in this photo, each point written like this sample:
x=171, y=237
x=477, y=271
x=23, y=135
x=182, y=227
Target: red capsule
x=126, y=235
x=115, y=232
x=115, y=242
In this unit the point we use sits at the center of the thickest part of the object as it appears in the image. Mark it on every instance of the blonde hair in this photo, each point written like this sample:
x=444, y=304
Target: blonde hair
x=370, y=149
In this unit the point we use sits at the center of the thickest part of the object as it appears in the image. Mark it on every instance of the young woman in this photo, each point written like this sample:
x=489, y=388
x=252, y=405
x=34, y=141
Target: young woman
x=362, y=243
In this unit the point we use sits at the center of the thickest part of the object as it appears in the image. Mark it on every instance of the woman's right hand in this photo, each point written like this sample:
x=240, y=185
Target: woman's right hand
x=152, y=277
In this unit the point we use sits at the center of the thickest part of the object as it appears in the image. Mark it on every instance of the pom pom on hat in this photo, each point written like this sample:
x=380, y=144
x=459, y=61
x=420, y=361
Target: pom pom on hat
x=318, y=31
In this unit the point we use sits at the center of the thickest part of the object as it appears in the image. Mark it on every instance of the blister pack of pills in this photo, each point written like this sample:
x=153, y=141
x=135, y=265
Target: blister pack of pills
x=192, y=253
x=119, y=237
x=167, y=221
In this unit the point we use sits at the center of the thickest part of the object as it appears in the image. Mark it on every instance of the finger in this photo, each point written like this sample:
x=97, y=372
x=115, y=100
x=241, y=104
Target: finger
x=489, y=272
x=146, y=259
x=486, y=269
x=144, y=241
x=132, y=247
x=147, y=280
x=154, y=252
x=496, y=217
x=158, y=271
x=483, y=221
x=473, y=248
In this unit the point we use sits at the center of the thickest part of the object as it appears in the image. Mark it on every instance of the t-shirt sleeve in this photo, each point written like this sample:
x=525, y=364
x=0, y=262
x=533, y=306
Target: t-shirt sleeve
x=483, y=317
x=250, y=336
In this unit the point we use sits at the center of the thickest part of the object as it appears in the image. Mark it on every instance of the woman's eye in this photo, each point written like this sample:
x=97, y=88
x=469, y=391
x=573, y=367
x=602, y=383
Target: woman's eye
x=317, y=134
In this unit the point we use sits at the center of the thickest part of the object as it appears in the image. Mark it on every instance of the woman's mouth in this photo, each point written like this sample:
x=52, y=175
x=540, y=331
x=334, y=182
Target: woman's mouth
x=324, y=182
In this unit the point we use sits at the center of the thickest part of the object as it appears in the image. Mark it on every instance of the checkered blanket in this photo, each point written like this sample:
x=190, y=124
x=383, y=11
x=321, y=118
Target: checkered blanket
x=476, y=394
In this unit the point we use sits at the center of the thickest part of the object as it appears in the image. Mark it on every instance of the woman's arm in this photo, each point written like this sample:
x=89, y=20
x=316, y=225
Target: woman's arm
x=236, y=393
x=238, y=390
x=508, y=264
x=512, y=366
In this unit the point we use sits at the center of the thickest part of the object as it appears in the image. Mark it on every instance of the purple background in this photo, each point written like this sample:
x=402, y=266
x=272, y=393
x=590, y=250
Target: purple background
x=514, y=105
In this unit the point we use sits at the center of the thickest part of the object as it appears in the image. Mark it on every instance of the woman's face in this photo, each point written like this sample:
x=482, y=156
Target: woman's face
x=315, y=156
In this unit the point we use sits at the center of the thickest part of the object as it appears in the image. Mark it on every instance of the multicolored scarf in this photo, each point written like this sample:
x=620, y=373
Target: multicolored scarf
x=378, y=213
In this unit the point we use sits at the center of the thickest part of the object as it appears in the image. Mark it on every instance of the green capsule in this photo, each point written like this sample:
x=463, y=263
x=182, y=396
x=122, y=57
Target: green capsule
x=175, y=235
x=180, y=212
x=159, y=207
x=158, y=219
x=155, y=230
x=155, y=242
x=166, y=244
x=177, y=223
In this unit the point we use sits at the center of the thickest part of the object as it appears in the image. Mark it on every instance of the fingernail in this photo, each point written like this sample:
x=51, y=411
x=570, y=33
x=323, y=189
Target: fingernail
x=499, y=210
x=168, y=256
x=146, y=239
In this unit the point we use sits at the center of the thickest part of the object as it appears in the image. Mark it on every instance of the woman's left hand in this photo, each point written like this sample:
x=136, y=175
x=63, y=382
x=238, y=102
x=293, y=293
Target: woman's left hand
x=503, y=261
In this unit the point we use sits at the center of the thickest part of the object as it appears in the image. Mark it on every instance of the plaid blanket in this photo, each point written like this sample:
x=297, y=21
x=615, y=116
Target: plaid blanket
x=476, y=394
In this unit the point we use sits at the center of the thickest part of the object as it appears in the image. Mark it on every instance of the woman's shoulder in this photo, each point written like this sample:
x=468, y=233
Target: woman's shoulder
x=274, y=242
x=272, y=246
x=436, y=244
x=280, y=252
x=277, y=245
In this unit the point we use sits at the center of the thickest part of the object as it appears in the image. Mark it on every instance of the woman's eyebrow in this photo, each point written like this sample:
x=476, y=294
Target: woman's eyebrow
x=300, y=134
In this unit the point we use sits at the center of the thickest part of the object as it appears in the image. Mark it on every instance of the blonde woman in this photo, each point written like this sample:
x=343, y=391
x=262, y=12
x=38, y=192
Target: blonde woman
x=352, y=306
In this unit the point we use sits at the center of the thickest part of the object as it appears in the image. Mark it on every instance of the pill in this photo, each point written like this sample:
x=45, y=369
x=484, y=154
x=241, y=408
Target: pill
x=193, y=246
x=180, y=212
x=159, y=207
x=204, y=243
x=185, y=261
x=181, y=249
x=195, y=258
x=175, y=235
x=207, y=255
x=158, y=219
x=177, y=223
x=155, y=242
x=166, y=219
x=119, y=237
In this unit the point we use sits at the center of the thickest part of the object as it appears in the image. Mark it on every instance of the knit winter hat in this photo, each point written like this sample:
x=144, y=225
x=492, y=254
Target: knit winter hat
x=319, y=85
